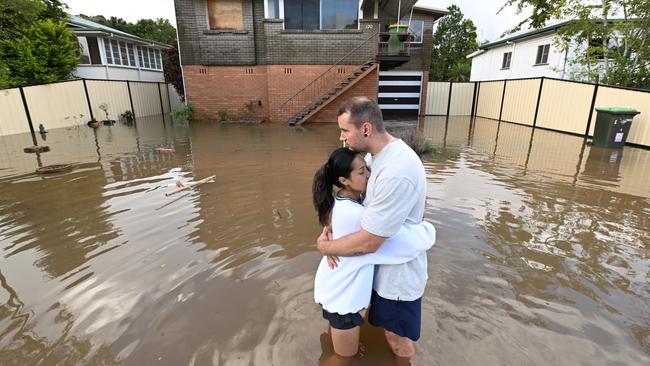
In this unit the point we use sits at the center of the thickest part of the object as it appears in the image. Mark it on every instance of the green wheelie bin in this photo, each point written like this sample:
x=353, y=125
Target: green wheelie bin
x=612, y=126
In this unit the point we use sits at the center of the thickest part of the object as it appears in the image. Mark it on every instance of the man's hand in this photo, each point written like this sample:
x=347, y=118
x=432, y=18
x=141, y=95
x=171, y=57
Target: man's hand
x=321, y=244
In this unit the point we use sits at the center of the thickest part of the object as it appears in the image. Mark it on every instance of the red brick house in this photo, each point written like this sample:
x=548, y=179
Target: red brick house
x=293, y=61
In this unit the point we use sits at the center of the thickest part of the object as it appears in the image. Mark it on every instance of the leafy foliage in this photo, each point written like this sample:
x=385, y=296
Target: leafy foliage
x=453, y=40
x=611, y=37
x=172, y=68
x=44, y=52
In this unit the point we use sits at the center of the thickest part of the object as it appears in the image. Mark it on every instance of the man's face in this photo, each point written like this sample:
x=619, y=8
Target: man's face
x=350, y=134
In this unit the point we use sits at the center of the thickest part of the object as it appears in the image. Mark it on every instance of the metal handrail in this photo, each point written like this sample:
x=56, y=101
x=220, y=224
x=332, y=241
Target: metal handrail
x=328, y=70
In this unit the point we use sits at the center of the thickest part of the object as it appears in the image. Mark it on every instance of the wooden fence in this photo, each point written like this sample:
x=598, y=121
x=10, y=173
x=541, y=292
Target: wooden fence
x=553, y=104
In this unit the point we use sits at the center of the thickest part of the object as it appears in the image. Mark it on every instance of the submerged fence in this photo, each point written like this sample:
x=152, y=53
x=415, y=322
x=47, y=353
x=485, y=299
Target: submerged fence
x=548, y=103
x=75, y=102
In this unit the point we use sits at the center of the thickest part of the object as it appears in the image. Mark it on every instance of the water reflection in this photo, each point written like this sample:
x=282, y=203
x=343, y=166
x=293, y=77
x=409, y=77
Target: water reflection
x=542, y=255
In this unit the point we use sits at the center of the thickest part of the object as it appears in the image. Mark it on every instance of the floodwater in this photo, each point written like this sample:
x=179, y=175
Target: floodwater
x=543, y=252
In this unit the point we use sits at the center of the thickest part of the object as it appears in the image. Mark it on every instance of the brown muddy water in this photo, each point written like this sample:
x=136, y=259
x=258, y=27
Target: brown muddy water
x=542, y=258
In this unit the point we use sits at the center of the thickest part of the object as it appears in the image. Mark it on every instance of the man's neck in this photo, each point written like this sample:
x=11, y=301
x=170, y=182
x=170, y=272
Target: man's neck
x=379, y=142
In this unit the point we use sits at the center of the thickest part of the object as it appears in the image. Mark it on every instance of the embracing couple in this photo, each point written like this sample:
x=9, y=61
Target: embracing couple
x=374, y=239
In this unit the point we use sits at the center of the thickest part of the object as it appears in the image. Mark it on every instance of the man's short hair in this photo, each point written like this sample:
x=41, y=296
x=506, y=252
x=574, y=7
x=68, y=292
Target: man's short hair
x=363, y=109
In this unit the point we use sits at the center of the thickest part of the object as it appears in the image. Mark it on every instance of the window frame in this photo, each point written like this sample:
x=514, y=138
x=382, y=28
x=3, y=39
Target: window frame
x=405, y=21
x=207, y=18
x=507, y=56
x=539, y=57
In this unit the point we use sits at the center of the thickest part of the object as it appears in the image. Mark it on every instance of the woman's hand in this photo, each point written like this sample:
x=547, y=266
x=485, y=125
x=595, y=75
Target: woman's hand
x=321, y=244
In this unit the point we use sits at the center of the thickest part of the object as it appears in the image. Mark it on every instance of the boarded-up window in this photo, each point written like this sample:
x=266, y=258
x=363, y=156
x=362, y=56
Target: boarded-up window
x=225, y=14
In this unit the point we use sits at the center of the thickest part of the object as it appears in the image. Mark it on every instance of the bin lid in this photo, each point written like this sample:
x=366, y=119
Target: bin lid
x=621, y=110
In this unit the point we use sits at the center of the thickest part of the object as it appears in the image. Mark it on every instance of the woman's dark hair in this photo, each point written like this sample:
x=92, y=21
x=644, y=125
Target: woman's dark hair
x=338, y=165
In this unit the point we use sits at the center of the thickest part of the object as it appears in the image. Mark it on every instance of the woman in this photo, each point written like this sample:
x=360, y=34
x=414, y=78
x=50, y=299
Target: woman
x=345, y=290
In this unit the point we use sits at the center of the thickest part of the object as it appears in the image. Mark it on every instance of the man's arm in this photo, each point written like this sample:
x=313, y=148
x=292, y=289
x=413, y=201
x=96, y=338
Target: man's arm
x=361, y=242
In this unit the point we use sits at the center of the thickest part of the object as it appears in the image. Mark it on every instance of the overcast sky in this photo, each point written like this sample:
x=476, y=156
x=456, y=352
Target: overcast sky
x=482, y=12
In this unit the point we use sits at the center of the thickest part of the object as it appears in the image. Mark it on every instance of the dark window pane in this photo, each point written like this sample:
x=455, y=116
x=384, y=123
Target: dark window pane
x=93, y=48
x=125, y=56
x=339, y=14
x=301, y=14
x=131, y=55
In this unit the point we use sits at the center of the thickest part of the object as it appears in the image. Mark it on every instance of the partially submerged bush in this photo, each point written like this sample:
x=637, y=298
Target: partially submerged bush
x=183, y=114
x=417, y=141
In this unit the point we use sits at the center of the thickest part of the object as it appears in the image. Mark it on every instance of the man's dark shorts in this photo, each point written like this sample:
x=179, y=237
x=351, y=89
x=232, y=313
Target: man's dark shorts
x=347, y=321
x=400, y=317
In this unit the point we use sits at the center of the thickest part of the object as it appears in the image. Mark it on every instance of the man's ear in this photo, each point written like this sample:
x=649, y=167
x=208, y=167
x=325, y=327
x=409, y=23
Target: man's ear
x=367, y=128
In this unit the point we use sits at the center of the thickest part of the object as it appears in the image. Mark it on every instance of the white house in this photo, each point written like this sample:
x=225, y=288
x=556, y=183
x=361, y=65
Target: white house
x=110, y=54
x=523, y=55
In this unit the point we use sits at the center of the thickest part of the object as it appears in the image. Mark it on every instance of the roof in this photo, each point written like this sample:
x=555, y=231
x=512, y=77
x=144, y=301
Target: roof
x=83, y=24
x=422, y=8
x=532, y=33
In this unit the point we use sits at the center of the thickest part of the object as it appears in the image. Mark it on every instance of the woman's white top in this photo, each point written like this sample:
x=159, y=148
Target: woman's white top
x=347, y=288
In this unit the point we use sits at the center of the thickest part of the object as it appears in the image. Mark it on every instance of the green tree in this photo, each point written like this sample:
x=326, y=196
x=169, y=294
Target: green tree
x=42, y=53
x=159, y=30
x=17, y=14
x=453, y=40
x=172, y=67
x=610, y=38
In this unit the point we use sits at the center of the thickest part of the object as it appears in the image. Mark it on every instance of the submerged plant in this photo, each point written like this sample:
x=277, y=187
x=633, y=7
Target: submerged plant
x=183, y=114
x=417, y=141
x=223, y=115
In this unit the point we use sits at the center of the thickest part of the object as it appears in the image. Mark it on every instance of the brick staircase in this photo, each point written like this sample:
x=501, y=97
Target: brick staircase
x=340, y=88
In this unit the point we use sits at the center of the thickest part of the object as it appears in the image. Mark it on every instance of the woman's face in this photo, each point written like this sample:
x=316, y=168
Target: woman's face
x=358, y=176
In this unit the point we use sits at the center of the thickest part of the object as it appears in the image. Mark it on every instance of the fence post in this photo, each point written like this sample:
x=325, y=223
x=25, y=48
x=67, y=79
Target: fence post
x=539, y=97
x=90, y=108
x=471, y=113
x=478, y=99
x=162, y=109
x=503, y=96
x=591, y=110
x=128, y=86
x=169, y=97
x=451, y=85
x=29, y=117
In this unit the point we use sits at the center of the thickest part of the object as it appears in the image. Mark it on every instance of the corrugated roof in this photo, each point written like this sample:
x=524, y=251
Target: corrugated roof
x=86, y=24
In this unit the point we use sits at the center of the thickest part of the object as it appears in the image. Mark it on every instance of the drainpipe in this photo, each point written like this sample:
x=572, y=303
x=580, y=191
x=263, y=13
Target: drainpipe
x=399, y=6
x=254, y=33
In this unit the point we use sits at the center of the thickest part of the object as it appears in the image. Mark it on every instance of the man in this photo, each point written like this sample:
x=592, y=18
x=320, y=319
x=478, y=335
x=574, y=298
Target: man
x=395, y=195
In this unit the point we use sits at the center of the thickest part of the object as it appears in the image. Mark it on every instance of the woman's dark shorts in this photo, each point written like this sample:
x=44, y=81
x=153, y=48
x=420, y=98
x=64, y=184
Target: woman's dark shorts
x=400, y=317
x=347, y=321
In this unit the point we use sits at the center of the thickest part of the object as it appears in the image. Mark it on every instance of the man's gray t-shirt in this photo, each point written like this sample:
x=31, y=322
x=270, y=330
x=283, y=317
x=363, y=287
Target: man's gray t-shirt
x=396, y=195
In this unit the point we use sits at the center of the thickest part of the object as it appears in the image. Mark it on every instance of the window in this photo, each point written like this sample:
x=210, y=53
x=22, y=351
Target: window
x=84, y=54
x=273, y=8
x=107, y=50
x=145, y=54
x=321, y=14
x=225, y=14
x=507, y=57
x=542, y=54
x=302, y=14
x=131, y=55
x=116, y=52
x=140, y=56
x=124, y=54
x=339, y=14
x=416, y=30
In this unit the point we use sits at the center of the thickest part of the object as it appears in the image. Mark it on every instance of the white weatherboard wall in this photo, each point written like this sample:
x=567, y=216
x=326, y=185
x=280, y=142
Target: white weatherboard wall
x=487, y=66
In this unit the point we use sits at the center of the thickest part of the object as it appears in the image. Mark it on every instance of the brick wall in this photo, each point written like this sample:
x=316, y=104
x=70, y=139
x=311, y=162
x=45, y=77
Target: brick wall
x=211, y=89
x=263, y=41
x=366, y=87
x=200, y=45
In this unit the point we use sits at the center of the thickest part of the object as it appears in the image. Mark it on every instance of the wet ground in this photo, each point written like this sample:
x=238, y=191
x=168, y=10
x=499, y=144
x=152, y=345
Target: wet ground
x=543, y=250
